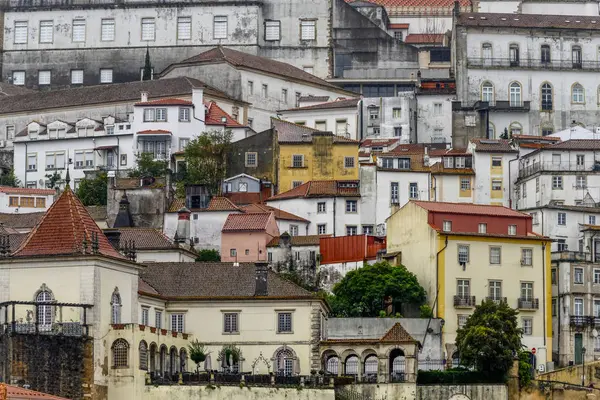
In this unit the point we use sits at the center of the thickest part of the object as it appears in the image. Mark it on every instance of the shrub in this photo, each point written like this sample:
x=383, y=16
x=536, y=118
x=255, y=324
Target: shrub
x=455, y=376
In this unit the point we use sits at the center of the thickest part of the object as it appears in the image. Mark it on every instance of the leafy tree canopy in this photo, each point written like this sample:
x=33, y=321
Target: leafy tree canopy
x=92, y=192
x=10, y=179
x=361, y=293
x=208, y=255
x=490, y=339
x=148, y=166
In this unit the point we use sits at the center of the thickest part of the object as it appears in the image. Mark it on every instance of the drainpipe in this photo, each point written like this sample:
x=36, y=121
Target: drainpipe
x=334, y=205
x=26, y=157
x=510, y=203
x=437, y=273
x=360, y=118
x=544, y=297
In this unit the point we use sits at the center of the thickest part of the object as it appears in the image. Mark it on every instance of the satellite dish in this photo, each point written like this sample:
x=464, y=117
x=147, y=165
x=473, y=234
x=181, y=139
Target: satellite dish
x=41, y=182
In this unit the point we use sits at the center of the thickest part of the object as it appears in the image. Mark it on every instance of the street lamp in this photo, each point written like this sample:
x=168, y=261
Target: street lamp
x=583, y=358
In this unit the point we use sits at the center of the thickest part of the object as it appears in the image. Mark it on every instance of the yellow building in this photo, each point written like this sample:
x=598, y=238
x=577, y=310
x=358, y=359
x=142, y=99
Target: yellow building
x=463, y=253
x=308, y=155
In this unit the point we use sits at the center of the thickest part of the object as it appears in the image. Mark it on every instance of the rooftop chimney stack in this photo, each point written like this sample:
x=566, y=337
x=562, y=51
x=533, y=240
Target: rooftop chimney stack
x=183, y=225
x=262, y=273
x=144, y=97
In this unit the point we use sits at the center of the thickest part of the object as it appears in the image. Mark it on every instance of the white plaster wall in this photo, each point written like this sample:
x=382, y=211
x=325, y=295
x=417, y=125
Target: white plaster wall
x=482, y=187
x=424, y=24
x=499, y=6
x=330, y=116
x=206, y=227
x=386, y=123
x=284, y=226
x=163, y=256
x=589, y=8
x=548, y=226
x=429, y=123
x=447, y=188
x=404, y=179
x=5, y=208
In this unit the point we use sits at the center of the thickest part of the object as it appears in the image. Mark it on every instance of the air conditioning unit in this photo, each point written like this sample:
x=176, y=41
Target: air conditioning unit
x=2, y=143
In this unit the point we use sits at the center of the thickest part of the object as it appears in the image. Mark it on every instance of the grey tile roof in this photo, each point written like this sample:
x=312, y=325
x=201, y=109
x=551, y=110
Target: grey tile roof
x=342, y=103
x=7, y=89
x=289, y=132
x=493, y=146
x=541, y=21
x=21, y=221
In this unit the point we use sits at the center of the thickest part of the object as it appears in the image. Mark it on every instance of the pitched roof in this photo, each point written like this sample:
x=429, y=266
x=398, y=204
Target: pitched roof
x=469, y=209
x=63, y=230
x=19, y=393
x=576, y=144
x=26, y=191
x=246, y=222
x=154, y=132
x=214, y=115
x=278, y=213
x=165, y=102
x=321, y=99
x=542, y=21
x=308, y=240
x=449, y=152
x=216, y=204
x=7, y=89
x=251, y=61
x=215, y=280
x=397, y=334
x=424, y=38
x=100, y=94
x=320, y=189
x=417, y=3
x=331, y=105
x=146, y=238
x=398, y=26
x=244, y=198
x=493, y=146
x=289, y=132
x=21, y=220
x=379, y=142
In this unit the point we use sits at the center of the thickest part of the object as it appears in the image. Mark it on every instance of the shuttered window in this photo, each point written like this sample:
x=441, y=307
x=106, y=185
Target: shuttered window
x=46, y=28
x=20, y=32
x=308, y=30
x=148, y=29
x=78, y=30
x=108, y=30
x=184, y=28
x=272, y=30
x=220, y=27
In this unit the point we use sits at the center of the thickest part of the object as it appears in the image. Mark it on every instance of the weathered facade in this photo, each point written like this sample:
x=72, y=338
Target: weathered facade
x=266, y=150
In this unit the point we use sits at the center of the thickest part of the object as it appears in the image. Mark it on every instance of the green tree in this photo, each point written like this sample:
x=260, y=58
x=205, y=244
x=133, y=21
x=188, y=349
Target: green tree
x=208, y=255
x=505, y=134
x=362, y=292
x=10, y=179
x=92, y=192
x=148, y=166
x=490, y=339
x=206, y=159
x=147, y=74
x=53, y=179
x=525, y=368
x=426, y=311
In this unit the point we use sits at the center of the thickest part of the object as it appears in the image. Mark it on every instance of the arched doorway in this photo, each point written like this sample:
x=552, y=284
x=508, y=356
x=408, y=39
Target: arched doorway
x=371, y=368
x=397, y=364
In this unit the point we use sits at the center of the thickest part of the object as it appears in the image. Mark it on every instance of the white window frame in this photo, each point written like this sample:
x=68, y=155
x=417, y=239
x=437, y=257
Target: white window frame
x=231, y=322
x=482, y=227
x=349, y=162
x=512, y=230
x=220, y=27
x=78, y=30
x=106, y=75
x=561, y=218
x=76, y=77
x=18, y=78
x=148, y=29
x=272, y=30
x=527, y=257
x=107, y=30
x=21, y=34
x=321, y=229
x=308, y=29
x=177, y=322
x=44, y=77
x=578, y=275
x=184, y=28
x=351, y=206
x=46, y=31
x=463, y=253
x=495, y=255
x=447, y=226
x=298, y=161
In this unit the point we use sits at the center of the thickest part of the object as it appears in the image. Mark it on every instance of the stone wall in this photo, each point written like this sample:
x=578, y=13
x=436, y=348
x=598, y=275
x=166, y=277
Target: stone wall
x=147, y=204
x=472, y=392
x=233, y=393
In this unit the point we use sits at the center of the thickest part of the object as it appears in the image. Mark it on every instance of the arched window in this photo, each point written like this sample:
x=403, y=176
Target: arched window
x=545, y=55
x=285, y=362
x=513, y=55
x=333, y=364
x=492, y=130
x=163, y=360
x=515, y=128
x=115, y=304
x=487, y=92
x=143, y=349
x=183, y=360
x=455, y=359
x=576, y=55
x=120, y=350
x=371, y=365
x=153, y=351
x=577, y=94
x=44, y=311
x=515, y=94
x=546, y=97
x=351, y=365
x=173, y=361
x=397, y=365
x=486, y=53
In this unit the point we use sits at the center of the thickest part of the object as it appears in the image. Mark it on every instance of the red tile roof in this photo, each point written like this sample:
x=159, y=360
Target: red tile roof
x=63, y=230
x=339, y=103
x=154, y=132
x=493, y=146
x=289, y=132
x=13, y=190
x=398, y=26
x=166, y=102
x=279, y=214
x=146, y=238
x=537, y=138
x=214, y=115
x=542, y=21
x=449, y=152
x=308, y=240
x=320, y=189
x=379, y=142
x=417, y=3
x=397, y=334
x=215, y=204
x=19, y=393
x=405, y=149
x=244, y=198
x=424, y=38
x=246, y=222
x=470, y=209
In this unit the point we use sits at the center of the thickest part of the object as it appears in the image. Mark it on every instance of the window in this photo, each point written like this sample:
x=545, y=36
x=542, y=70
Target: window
x=341, y=126
x=482, y=228
x=18, y=78
x=486, y=53
x=32, y=162
x=349, y=162
x=404, y=163
x=581, y=182
x=295, y=184
x=243, y=187
x=308, y=30
x=537, y=185
x=233, y=253
x=321, y=229
x=265, y=91
x=55, y=160
x=546, y=97
x=580, y=160
x=578, y=307
x=115, y=304
x=592, y=220
x=495, y=255
x=545, y=54
x=547, y=130
x=577, y=94
x=462, y=320
x=46, y=31
x=553, y=276
x=496, y=162
x=497, y=184
x=562, y=218
x=562, y=245
x=526, y=256
x=251, y=159
x=161, y=114
x=448, y=162
x=177, y=321
x=308, y=69
x=447, y=226
x=351, y=206
x=10, y=132
x=463, y=289
x=284, y=322
x=76, y=76
x=495, y=290
x=512, y=230
x=143, y=352
x=398, y=35
x=465, y=184
x=298, y=161
x=78, y=30
x=284, y=96
x=184, y=114
x=351, y=230
x=21, y=32
x=578, y=275
x=515, y=94
x=459, y=162
x=437, y=109
x=44, y=77
x=106, y=75
x=272, y=30
x=220, y=27
x=596, y=314
x=148, y=29
x=527, y=323
x=107, y=30
x=463, y=253
x=158, y=319
x=149, y=115
x=184, y=28
x=321, y=207
x=527, y=291
x=397, y=113
x=394, y=195
x=557, y=182
x=321, y=126
x=250, y=88
x=413, y=190
x=397, y=131
x=145, y=316
x=513, y=54
x=597, y=276
x=13, y=201
x=230, y=322
x=367, y=229
x=524, y=190
x=294, y=230
x=554, y=307
x=120, y=351
x=576, y=56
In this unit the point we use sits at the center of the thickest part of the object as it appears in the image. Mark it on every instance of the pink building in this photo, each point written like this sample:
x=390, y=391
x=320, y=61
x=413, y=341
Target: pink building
x=244, y=237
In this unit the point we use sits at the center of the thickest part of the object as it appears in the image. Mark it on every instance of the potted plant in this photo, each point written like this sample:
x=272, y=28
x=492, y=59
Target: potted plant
x=198, y=353
x=142, y=327
x=153, y=329
x=163, y=332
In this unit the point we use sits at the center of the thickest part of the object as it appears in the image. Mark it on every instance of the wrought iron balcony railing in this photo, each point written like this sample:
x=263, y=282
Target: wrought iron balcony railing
x=464, y=301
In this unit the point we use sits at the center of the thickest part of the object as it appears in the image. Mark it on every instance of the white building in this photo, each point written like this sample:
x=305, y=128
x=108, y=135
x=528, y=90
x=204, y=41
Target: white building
x=25, y=201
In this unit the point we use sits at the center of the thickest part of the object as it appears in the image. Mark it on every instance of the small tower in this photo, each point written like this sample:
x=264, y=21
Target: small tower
x=183, y=225
x=123, y=219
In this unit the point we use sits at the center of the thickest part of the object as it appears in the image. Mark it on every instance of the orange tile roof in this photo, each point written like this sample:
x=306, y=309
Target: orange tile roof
x=398, y=26
x=493, y=146
x=244, y=198
x=166, y=102
x=62, y=231
x=214, y=115
x=14, y=190
x=449, y=152
x=417, y=3
x=379, y=142
x=320, y=189
x=215, y=204
x=154, y=132
x=424, y=38
x=279, y=214
x=397, y=334
x=540, y=138
x=19, y=393
x=470, y=209
x=246, y=222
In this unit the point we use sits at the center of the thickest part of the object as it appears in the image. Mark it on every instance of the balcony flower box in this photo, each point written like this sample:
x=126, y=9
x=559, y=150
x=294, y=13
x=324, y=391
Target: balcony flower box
x=163, y=332
x=142, y=327
x=118, y=326
x=174, y=334
x=153, y=329
x=185, y=335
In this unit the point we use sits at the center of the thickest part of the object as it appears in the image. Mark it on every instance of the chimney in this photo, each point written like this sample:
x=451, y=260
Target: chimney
x=198, y=99
x=183, y=225
x=114, y=237
x=123, y=219
x=262, y=273
x=144, y=97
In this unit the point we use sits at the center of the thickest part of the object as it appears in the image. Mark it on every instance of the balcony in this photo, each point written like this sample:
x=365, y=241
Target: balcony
x=532, y=63
x=571, y=256
x=497, y=300
x=590, y=166
x=494, y=106
x=464, y=301
x=149, y=330
x=528, y=304
x=579, y=320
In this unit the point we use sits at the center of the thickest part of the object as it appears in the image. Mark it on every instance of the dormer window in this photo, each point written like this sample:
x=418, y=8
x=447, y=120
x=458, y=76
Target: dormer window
x=33, y=133
x=243, y=187
x=110, y=130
